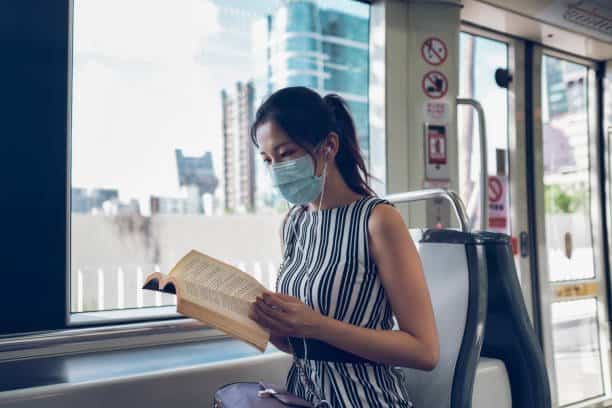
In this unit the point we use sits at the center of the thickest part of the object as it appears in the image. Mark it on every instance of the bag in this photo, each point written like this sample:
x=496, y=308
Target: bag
x=256, y=395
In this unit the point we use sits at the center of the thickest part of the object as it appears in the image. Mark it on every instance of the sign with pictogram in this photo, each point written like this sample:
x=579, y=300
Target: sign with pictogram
x=496, y=189
x=434, y=51
x=498, y=206
x=436, y=153
x=435, y=84
x=436, y=145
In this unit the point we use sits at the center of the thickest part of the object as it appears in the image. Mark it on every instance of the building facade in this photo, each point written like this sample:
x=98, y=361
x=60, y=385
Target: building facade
x=238, y=111
x=196, y=176
x=191, y=203
x=309, y=44
x=86, y=201
x=565, y=123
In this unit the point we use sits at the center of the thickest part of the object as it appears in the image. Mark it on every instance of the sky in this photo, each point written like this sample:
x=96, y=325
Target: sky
x=147, y=80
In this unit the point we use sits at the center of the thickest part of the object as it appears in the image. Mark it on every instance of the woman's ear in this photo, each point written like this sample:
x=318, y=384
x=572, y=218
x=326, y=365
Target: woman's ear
x=332, y=145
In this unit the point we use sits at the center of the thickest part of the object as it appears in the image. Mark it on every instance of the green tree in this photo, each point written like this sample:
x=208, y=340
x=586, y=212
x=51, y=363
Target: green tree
x=564, y=200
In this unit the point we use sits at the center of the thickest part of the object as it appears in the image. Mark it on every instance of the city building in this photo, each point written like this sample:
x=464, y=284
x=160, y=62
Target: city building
x=86, y=201
x=310, y=44
x=196, y=176
x=238, y=150
x=116, y=207
x=191, y=204
x=565, y=125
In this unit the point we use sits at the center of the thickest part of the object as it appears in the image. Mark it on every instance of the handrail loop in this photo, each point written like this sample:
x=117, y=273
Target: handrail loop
x=431, y=194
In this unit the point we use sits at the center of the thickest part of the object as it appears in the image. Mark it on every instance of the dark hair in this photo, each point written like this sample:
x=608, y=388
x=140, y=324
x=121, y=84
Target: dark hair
x=308, y=119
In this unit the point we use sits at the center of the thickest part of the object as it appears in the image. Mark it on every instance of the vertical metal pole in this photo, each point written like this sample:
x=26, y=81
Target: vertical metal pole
x=484, y=180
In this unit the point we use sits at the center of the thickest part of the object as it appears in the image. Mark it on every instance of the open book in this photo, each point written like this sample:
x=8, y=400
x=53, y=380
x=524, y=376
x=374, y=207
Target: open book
x=215, y=293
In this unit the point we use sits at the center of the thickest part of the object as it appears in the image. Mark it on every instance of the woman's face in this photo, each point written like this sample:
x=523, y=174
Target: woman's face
x=275, y=145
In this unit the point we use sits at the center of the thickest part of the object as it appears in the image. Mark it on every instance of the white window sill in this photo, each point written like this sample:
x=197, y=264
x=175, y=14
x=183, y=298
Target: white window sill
x=124, y=315
x=108, y=337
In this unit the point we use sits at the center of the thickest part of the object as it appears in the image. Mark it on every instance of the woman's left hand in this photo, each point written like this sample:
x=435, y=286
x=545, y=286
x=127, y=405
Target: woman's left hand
x=286, y=315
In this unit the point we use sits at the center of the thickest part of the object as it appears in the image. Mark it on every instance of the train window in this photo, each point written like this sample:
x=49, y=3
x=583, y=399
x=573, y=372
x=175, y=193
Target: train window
x=481, y=57
x=163, y=93
x=565, y=147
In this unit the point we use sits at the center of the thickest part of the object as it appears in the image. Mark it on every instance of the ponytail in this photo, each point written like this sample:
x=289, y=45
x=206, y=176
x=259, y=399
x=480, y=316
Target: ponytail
x=349, y=159
x=308, y=119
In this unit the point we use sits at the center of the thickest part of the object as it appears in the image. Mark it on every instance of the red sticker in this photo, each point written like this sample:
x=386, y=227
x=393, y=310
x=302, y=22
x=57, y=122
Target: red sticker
x=434, y=51
x=496, y=190
x=435, y=84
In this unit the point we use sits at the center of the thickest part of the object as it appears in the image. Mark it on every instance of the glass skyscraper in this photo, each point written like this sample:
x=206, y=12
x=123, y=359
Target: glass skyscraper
x=309, y=43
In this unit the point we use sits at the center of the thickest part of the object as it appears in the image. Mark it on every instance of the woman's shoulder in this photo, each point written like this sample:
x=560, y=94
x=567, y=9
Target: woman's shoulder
x=383, y=215
x=376, y=205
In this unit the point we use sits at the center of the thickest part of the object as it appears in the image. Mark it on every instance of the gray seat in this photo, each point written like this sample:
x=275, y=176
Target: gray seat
x=455, y=270
x=491, y=385
x=509, y=335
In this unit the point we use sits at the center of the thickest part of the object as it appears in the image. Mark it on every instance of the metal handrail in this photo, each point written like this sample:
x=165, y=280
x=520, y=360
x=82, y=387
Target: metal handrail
x=484, y=182
x=431, y=194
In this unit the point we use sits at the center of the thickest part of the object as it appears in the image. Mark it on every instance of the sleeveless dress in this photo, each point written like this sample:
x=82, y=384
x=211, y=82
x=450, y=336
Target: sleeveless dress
x=327, y=264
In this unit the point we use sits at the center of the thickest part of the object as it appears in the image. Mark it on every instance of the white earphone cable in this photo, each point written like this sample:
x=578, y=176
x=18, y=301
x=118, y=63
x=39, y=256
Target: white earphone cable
x=317, y=390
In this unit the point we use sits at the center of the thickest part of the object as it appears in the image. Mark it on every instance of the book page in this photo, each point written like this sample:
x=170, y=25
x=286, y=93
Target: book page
x=201, y=270
x=219, y=287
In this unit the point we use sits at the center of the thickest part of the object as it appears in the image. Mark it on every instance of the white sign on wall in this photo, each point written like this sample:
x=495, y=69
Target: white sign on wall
x=437, y=112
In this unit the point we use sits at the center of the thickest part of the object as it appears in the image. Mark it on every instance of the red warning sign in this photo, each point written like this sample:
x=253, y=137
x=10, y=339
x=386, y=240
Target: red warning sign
x=496, y=189
x=434, y=51
x=435, y=84
x=498, y=206
x=436, y=143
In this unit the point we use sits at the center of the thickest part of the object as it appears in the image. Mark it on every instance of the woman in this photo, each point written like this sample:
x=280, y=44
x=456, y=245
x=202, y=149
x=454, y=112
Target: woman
x=349, y=263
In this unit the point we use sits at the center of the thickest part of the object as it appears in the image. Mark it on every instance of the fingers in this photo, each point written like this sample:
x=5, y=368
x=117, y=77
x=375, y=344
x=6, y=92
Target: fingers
x=286, y=298
x=277, y=312
x=279, y=300
x=271, y=311
x=263, y=318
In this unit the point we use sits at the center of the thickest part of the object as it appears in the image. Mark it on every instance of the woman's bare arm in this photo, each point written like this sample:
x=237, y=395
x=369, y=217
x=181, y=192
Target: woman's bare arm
x=416, y=343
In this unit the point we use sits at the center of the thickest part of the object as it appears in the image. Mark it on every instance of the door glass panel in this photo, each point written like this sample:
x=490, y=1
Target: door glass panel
x=481, y=57
x=569, y=226
x=576, y=350
x=565, y=147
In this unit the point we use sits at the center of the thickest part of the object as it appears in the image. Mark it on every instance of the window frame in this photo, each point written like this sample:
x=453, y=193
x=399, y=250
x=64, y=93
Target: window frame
x=37, y=38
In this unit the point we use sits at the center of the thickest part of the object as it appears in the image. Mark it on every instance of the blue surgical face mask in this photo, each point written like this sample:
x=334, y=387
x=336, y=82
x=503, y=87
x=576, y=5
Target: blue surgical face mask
x=296, y=180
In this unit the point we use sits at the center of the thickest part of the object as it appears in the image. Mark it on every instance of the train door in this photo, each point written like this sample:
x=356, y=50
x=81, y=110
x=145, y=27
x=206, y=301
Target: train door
x=568, y=222
x=492, y=73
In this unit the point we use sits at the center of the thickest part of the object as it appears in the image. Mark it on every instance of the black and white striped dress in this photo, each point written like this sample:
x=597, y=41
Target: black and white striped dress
x=344, y=284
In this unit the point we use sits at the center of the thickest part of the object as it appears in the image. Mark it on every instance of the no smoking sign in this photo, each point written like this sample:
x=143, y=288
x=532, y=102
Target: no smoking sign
x=496, y=190
x=434, y=51
x=498, y=207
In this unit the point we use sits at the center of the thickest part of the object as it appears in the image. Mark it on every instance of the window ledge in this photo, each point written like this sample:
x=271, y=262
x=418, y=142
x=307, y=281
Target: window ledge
x=69, y=370
x=105, y=338
x=123, y=316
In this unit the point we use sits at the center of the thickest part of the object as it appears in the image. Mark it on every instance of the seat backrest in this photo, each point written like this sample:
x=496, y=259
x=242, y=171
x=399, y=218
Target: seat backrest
x=509, y=335
x=454, y=268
